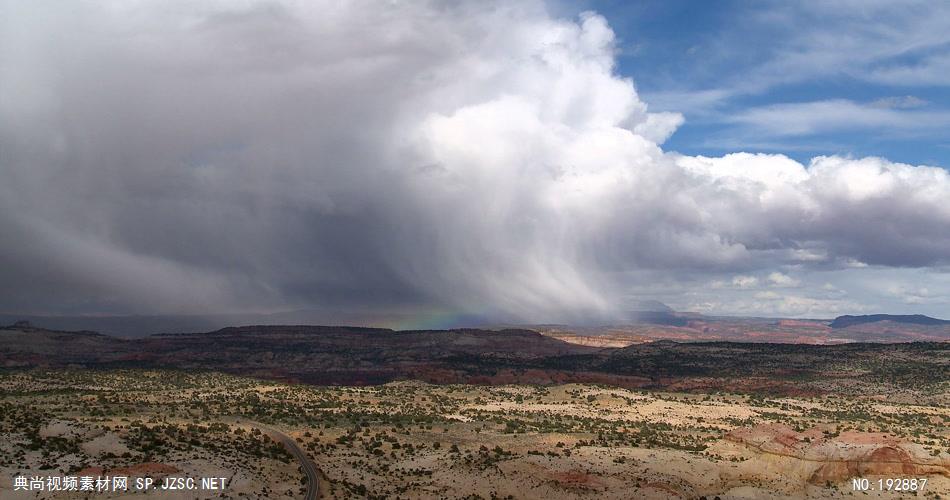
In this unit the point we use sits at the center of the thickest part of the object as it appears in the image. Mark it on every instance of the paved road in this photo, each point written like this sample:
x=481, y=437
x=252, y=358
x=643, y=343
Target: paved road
x=309, y=468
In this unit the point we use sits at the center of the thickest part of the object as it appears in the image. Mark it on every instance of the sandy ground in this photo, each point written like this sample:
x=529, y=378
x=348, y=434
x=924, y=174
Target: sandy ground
x=412, y=440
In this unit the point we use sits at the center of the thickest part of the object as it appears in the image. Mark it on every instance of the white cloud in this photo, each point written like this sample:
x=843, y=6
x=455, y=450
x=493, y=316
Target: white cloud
x=815, y=117
x=933, y=70
x=788, y=44
x=780, y=280
x=899, y=102
x=745, y=281
x=819, y=40
x=770, y=304
x=486, y=158
x=809, y=255
x=910, y=294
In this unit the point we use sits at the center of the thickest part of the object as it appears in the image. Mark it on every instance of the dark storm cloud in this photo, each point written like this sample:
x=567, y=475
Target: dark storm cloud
x=192, y=157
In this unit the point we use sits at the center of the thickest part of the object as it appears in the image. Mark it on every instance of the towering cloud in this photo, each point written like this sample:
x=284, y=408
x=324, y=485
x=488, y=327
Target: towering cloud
x=484, y=158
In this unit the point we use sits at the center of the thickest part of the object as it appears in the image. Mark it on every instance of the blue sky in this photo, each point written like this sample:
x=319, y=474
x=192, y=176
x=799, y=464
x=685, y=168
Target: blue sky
x=804, y=79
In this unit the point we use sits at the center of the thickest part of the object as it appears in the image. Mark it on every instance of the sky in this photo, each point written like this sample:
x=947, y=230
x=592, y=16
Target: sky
x=512, y=161
x=859, y=78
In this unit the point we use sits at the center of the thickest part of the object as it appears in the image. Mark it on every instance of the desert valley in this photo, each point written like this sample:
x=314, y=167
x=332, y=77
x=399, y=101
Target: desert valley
x=475, y=413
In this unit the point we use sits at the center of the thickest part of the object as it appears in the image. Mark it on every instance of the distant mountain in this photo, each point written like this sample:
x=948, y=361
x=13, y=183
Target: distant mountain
x=659, y=318
x=652, y=306
x=315, y=354
x=323, y=355
x=654, y=312
x=914, y=319
x=133, y=326
x=126, y=326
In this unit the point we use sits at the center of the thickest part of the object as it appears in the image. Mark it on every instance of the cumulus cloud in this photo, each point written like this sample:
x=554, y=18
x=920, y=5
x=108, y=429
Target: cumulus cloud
x=484, y=158
x=781, y=280
x=745, y=281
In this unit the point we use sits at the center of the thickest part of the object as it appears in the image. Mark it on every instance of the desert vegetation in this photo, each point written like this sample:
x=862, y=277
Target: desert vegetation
x=410, y=439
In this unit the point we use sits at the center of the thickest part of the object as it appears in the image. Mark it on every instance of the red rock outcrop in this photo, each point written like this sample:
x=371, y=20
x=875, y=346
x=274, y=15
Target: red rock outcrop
x=852, y=454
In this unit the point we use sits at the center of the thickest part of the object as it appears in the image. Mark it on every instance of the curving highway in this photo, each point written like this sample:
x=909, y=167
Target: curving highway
x=309, y=468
